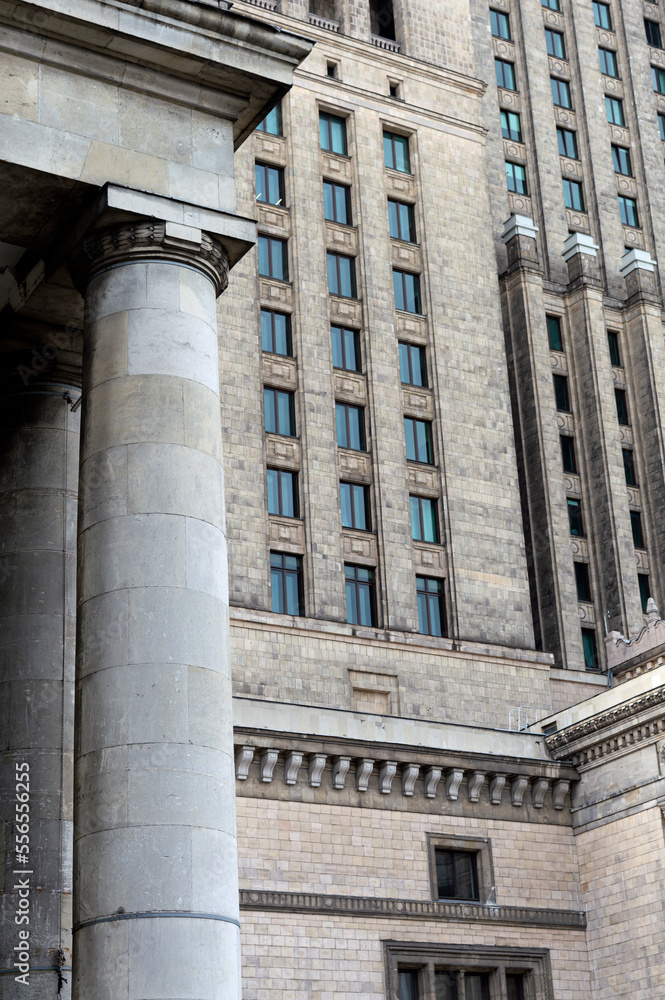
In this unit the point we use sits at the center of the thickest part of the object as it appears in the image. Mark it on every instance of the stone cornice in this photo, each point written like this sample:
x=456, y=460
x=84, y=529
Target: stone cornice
x=583, y=735
x=305, y=902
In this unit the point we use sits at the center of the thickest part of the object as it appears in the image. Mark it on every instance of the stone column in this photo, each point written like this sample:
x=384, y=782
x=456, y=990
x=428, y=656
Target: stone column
x=156, y=882
x=39, y=444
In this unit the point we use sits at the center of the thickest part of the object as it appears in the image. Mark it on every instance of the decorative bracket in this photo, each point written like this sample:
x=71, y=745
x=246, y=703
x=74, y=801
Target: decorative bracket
x=244, y=758
x=292, y=765
x=317, y=762
x=409, y=774
x=387, y=772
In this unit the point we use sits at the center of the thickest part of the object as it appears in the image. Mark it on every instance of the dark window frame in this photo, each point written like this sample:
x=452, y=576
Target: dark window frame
x=283, y=474
x=276, y=115
x=583, y=583
x=623, y=413
x=506, y=79
x=455, y=856
x=353, y=488
x=421, y=519
x=562, y=393
x=629, y=469
x=338, y=257
x=429, y=444
x=575, y=518
x=273, y=242
x=609, y=65
x=348, y=221
x=567, y=142
x=515, y=183
x=551, y=4
x=391, y=137
x=275, y=411
x=327, y=118
x=417, y=295
x=620, y=159
x=551, y=45
x=362, y=436
x=499, y=20
x=661, y=125
x=283, y=572
x=555, y=339
x=357, y=367
x=422, y=355
x=357, y=584
x=653, y=34
x=273, y=336
x=614, y=348
x=590, y=649
x=573, y=194
x=637, y=529
x=569, y=451
x=614, y=111
x=433, y=595
x=628, y=212
x=644, y=586
x=558, y=88
x=508, y=132
x=266, y=167
x=602, y=16
x=410, y=236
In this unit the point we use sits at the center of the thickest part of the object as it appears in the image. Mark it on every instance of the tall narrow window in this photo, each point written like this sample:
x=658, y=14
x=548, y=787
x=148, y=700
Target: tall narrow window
x=629, y=466
x=360, y=597
x=613, y=343
x=561, y=393
x=572, y=195
x=456, y=874
x=273, y=258
x=345, y=348
x=286, y=584
x=350, y=423
x=276, y=332
x=431, y=616
x=614, y=111
x=608, y=62
x=269, y=184
x=554, y=333
x=511, y=127
x=418, y=436
x=601, y=15
x=406, y=287
x=337, y=202
x=407, y=985
x=622, y=406
x=272, y=123
x=561, y=93
x=354, y=502
x=505, y=74
x=636, y=526
x=568, y=457
x=628, y=211
x=424, y=520
x=381, y=19
x=401, y=221
x=652, y=32
x=279, y=412
x=555, y=44
x=567, y=140
x=575, y=517
x=516, y=177
x=515, y=986
x=500, y=24
x=332, y=133
x=341, y=275
x=282, y=493
x=412, y=364
x=645, y=590
x=589, y=649
x=621, y=161
x=396, y=152
x=582, y=582
x=661, y=125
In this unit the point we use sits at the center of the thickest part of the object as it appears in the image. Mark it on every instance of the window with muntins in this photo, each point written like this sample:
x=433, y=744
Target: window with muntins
x=628, y=211
x=608, y=62
x=658, y=79
x=396, y=152
x=345, y=348
x=431, y=615
x=555, y=44
x=561, y=92
x=466, y=972
x=568, y=457
x=567, y=141
x=354, y=502
x=412, y=364
x=337, y=202
x=269, y=184
x=511, y=127
x=561, y=394
x=601, y=15
x=582, y=582
x=272, y=123
x=341, y=275
x=552, y=4
x=573, y=195
x=276, y=333
x=279, y=412
x=554, y=333
x=652, y=32
x=401, y=221
x=350, y=422
x=418, y=437
x=614, y=111
x=332, y=133
x=505, y=74
x=500, y=23
x=621, y=161
x=424, y=519
x=282, y=493
x=406, y=287
x=273, y=258
x=456, y=874
x=286, y=584
x=360, y=595
x=516, y=177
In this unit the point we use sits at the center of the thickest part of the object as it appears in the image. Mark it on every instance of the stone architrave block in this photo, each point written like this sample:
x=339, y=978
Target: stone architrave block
x=340, y=770
x=292, y=765
x=453, y=781
x=559, y=793
x=268, y=761
x=409, y=774
x=475, y=783
x=497, y=785
x=518, y=788
x=244, y=758
x=364, y=768
x=387, y=772
x=538, y=790
x=432, y=779
x=317, y=762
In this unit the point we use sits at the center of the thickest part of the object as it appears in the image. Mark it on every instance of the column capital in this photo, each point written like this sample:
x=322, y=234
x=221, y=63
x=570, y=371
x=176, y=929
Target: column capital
x=149, y=240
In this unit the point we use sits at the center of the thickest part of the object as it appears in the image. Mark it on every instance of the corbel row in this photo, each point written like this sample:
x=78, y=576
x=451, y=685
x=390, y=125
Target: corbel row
x=450, y=779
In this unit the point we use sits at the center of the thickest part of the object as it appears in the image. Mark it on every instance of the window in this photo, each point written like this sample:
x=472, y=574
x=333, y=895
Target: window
x=273, y=258
x=418, y=436
x=645, y=590
x=652, y=32
x=276, y=333
x=552, y=4
x=279, y=412
x=341, y=275
x=332, y=132
x=345, y=348
x=560, y=93
x=500, y=24
x=394, y=90
x=613, y=343
x=575, y=517
x=337, y=202
x=406, y=287
x=331, y=70
x=407, y=985
x=269, y=184
x=658, y=79
x=628, y=211
x=396, y=152
x=431, y=615
x=568, y=457
x=360, y=601
x=350, y=422
x=567, y=141
x=608, y=62
x=582, y=581
x=516, y=177
x=401, y=222
x=622, y=406
x=621, y=161
x=515, y=986
x=412, y=364
x=572, y=195
x=601, y=15
x=661, y=126
x=589, y=649
x=505, y=74
x=561, y=393
x=354, y=501
x=286, y=584
x=382, y=22
x=282, y=493
x=554, y=333
x=424, y=520
x=636, y=525
x=555, y=44
x=614, y=110
x=456, y=874
x=629, y=466
x=272, y=123
x=511, y=127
